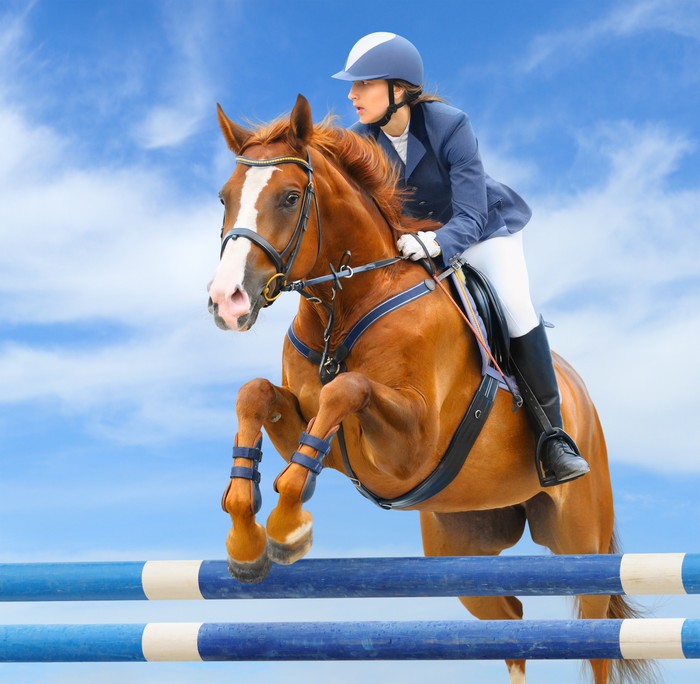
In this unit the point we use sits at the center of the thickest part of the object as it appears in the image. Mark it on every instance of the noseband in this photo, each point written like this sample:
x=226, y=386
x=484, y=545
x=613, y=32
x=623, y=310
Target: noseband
x=276, y=284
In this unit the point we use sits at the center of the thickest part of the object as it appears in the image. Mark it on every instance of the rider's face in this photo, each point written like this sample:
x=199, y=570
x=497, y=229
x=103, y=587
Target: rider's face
x=370, y=99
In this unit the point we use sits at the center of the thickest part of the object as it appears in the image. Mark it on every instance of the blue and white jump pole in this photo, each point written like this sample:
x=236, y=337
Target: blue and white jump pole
x=453, y=640
x=354, y=578
x=357, y=578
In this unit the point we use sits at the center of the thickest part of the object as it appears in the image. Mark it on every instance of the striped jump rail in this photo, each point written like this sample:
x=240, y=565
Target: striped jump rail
x=286, y=641
x=632, y=574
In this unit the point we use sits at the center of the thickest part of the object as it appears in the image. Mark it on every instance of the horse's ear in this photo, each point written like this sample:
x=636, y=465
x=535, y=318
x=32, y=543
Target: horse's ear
x=235, y=135
x=301, y=124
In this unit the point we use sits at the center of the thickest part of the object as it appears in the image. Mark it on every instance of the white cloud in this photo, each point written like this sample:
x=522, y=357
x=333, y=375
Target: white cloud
x=115, y=246
x=615, y=266
x=681, y=17
x=186, y=93
x=169, y=125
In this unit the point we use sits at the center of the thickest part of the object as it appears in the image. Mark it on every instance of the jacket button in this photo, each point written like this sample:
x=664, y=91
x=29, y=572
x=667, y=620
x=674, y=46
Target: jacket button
x=421, y=203
x=430, y=213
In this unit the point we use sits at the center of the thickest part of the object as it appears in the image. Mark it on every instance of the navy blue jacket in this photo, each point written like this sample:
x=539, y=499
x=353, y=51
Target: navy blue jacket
x=444, y=170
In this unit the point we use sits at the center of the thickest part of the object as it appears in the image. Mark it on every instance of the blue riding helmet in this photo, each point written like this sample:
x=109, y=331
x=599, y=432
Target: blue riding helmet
x=383, y=55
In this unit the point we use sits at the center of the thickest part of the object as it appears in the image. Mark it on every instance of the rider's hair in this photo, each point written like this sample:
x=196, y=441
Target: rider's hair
x=414, y=94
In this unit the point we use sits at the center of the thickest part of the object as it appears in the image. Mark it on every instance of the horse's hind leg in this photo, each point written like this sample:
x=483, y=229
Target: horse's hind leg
x=479, y=533
x=259, y=404
x=567, y=524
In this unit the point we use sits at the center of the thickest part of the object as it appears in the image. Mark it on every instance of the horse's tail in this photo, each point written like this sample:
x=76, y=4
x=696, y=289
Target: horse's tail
x=621, y=608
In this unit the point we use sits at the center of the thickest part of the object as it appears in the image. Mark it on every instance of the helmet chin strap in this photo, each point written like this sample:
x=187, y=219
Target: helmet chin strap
x=391, y=109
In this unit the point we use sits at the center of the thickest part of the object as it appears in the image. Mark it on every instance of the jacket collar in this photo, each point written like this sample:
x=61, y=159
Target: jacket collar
x=416, y=135
x=415, y=148
x=388, y=148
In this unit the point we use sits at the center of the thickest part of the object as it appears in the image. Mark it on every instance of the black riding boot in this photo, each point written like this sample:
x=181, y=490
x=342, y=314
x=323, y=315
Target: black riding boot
x=533, y=359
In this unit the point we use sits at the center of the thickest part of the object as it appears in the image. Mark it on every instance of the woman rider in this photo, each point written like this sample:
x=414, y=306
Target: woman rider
x=435, y=148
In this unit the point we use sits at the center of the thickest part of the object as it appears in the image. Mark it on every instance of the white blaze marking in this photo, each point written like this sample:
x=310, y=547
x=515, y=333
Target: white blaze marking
x=232, y=264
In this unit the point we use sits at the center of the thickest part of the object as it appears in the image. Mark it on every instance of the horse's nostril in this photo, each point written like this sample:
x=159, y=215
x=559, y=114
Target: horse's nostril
x=238, y=296
x=229, y=303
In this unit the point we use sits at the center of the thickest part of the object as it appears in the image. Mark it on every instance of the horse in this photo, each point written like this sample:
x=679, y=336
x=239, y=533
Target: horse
x=301, y=197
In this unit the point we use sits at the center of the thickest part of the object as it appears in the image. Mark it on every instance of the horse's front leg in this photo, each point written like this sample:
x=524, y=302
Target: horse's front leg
x=259, y=404
x=386, y=415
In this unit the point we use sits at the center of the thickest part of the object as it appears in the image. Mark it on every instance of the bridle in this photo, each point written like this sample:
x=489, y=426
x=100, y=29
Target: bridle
x=278, y=282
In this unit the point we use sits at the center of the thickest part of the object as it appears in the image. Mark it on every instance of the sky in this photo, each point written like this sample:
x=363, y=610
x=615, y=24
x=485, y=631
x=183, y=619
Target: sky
x=117, y=391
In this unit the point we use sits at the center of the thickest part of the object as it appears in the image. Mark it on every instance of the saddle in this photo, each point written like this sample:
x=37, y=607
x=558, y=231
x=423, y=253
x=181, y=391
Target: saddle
x=489, y=310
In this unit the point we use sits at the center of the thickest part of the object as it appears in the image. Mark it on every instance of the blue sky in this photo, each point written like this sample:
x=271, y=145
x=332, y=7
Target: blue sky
x=116, y=389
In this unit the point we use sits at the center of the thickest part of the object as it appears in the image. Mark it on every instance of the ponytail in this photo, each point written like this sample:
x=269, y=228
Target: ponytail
x=414, y=94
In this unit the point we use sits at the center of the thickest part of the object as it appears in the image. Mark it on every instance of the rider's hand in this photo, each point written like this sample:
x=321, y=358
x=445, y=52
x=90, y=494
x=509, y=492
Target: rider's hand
x=410, y=245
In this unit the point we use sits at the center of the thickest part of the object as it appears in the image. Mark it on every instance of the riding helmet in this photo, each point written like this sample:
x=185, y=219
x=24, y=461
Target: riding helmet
x=383, y=55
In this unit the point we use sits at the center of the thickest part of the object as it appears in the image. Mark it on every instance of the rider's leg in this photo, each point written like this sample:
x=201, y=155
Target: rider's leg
x=502, y=260
x=534, y=360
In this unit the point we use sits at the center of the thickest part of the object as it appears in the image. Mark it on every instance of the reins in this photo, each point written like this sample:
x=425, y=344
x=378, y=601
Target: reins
x=345, y=271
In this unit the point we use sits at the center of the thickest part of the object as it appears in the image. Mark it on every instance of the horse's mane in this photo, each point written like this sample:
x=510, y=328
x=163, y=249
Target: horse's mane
x=361, y=158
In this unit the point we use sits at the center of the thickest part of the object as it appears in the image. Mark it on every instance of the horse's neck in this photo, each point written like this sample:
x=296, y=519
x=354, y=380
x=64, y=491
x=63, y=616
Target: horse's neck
x=353, y=297
x=352, y=222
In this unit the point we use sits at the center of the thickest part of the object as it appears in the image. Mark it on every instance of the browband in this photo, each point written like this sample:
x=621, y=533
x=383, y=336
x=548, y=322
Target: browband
x=248, y=161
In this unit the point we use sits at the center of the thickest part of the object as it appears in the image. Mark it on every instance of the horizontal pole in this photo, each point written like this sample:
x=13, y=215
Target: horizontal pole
x=665, y=574
x=451, y=640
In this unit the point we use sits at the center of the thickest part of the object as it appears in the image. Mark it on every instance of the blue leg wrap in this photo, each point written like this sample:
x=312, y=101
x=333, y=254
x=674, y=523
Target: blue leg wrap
x=313, y=465
x=254, y=454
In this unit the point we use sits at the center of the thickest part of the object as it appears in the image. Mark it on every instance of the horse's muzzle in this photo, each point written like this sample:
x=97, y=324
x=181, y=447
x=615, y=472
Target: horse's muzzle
x=241, y=322
x=230, y=304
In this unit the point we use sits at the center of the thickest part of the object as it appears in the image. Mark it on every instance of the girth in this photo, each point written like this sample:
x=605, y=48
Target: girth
x=464, y=437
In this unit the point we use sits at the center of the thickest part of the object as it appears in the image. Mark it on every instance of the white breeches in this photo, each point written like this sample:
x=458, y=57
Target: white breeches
x=502, y=261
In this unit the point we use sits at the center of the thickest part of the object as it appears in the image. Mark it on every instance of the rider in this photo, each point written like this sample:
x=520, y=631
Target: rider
x=434, y=146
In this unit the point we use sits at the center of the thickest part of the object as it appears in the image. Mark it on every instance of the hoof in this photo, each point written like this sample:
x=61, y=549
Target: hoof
x=286, y=553
x=250, y=572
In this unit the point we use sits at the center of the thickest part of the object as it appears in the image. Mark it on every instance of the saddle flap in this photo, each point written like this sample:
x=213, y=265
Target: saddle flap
x=490, y=309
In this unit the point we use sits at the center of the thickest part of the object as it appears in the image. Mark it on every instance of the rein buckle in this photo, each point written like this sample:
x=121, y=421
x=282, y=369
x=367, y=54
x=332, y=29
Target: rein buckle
x=266, y=290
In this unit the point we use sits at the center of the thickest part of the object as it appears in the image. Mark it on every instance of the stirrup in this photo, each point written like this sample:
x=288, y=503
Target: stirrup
x=548, y=478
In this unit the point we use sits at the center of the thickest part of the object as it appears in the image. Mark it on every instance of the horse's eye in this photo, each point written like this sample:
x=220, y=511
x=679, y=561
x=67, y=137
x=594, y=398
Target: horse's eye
x=292, y=199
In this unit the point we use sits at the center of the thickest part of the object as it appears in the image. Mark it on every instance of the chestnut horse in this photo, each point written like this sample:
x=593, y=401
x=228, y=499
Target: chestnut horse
x=407, y=383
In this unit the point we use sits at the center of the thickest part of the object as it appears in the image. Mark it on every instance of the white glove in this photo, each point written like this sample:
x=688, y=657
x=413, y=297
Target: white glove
x=410, y=246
